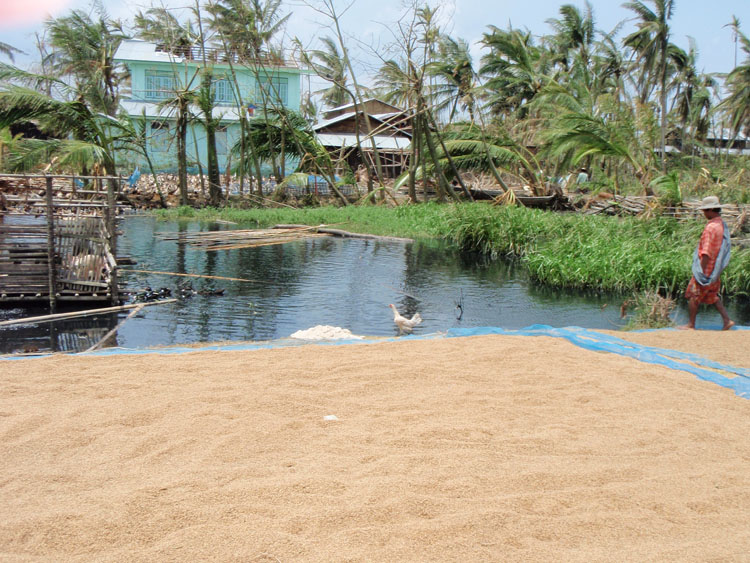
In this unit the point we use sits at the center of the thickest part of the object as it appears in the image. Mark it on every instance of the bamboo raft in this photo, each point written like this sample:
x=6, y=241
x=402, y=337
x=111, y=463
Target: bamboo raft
x=250, y=238
x=239, y=238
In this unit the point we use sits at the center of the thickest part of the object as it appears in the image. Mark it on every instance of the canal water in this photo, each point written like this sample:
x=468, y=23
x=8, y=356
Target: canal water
x=345, y=283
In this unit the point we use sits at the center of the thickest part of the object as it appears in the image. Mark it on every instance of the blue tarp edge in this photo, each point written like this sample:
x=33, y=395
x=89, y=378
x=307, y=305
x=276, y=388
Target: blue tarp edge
x=600, y=342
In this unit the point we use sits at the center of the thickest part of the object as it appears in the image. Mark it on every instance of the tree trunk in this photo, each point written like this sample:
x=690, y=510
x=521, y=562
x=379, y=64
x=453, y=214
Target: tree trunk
x=214, y=177
x=182, y=153
x=413, y=160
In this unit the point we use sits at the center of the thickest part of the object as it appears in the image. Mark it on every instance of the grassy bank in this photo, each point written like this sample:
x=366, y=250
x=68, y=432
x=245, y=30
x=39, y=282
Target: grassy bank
x=414, y=221
x=560, y=250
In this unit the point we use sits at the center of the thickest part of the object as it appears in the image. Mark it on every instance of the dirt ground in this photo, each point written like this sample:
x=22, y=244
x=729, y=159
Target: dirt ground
x=488, y=448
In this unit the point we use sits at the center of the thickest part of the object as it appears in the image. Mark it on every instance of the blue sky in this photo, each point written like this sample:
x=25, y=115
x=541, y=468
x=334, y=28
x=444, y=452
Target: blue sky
x=468, y=19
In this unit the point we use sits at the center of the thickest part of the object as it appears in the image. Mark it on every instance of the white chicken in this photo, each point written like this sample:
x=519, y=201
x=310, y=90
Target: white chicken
x=404, y=324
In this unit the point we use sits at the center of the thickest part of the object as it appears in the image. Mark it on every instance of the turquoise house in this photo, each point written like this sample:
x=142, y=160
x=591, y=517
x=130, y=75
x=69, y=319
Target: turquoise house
x=157, y=74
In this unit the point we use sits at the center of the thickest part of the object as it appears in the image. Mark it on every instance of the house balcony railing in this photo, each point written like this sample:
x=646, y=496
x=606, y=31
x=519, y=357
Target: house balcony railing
x=285, y=58
x=158, y=96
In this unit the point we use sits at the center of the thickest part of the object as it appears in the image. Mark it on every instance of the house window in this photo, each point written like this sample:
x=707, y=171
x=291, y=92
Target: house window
x=221, y=141
x=273, y=90
x=159, y=136
x=159, y=85
x=223, y=92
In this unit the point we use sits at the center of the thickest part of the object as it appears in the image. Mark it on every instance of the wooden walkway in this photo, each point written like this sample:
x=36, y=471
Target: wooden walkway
x=57, y=238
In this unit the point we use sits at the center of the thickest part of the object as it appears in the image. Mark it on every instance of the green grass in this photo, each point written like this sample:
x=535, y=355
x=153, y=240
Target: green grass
x=415, y=221
x=560, y=250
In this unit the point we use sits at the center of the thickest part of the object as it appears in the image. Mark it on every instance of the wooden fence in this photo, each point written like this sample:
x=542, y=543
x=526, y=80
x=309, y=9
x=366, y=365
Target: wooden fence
x=58, y=239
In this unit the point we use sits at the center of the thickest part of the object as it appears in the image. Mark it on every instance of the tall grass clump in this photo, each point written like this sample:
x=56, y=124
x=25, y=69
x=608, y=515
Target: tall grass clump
x=735, y=279
x=616, y=254
x=579, y=252
x=496, y=231
x=650, y=310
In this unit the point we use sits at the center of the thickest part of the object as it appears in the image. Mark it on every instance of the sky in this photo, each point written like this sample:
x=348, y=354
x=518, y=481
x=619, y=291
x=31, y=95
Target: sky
x=369, y=30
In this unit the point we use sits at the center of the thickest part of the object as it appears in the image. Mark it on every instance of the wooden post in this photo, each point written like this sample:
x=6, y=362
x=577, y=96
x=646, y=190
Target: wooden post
x=51, y=268
x=112, y=190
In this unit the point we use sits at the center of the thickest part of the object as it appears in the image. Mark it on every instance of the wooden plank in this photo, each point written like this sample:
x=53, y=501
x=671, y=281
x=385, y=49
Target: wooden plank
x=89, y=312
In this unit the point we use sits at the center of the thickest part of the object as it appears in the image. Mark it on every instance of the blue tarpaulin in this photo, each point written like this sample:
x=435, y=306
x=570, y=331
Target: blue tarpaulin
x=735, y=378
x=703, y=368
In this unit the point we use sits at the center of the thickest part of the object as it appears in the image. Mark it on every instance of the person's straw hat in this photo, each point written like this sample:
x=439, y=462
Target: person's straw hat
x=710, y=202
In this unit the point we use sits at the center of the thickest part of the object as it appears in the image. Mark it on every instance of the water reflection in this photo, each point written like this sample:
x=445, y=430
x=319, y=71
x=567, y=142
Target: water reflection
x=321, y=281
x=65, y=335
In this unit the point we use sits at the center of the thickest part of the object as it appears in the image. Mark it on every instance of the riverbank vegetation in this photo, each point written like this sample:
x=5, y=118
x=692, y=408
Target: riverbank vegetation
x=621, y=254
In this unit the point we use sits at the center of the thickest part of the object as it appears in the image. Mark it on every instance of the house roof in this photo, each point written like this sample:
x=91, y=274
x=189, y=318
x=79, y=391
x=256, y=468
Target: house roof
x=146, y=51
x=135, y=50
x=726, y=135
x=328, y=122
x=347, y=106
x=380, y=118
x=346, y=140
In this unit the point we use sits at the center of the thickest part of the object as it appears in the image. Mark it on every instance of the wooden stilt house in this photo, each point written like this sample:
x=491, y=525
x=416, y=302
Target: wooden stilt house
x=57, y=239
x=389, y=130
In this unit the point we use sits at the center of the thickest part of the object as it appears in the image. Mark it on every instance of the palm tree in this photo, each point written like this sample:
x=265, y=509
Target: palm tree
x=246, y=29
x=611, y=67
x=179, y=102
x=81, y=138
x=394, y=83
x=329, y=65
x=456, y=77
x=515, y=69
x=467, y=147
x=248, y=26
x=84, y=49
x=650, y=45
x=160, y=25
x=575, y=32
x=736, y=105
x=205, y=102
x=692, y=100
x=577, y=135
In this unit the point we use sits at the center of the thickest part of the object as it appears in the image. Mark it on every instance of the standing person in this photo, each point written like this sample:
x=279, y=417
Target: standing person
x=583, y=176
x=710, y=258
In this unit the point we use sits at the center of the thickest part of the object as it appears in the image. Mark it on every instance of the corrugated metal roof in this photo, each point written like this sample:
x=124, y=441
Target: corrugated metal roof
x=351, y=105
x=382, y=142
x=327, y=122
x=382, y=117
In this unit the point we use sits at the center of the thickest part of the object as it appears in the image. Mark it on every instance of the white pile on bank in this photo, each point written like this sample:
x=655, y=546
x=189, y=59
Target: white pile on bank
x=325, y=332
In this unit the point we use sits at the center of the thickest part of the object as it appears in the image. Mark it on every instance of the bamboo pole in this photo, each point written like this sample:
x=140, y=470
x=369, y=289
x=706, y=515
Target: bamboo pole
x=52, y=282
x=87, y=312
x=111, y=230
x=106, y=337
x=193, y=276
